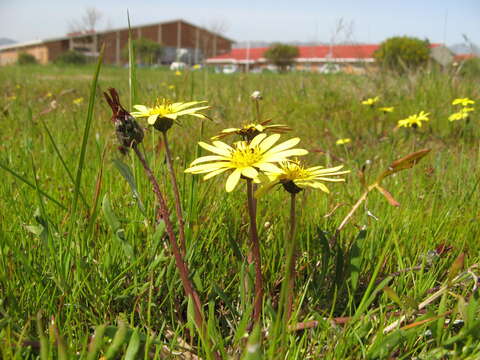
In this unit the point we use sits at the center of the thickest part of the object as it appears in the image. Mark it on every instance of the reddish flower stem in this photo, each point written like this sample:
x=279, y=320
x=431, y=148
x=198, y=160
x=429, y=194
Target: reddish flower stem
x=176, y=193
x=180, y=263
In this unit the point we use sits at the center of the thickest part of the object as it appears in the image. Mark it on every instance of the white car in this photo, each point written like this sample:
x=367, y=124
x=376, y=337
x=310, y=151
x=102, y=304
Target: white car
x=177, y=65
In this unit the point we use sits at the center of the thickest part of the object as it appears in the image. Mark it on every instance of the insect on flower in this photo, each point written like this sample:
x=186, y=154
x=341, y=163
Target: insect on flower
x=249, y=131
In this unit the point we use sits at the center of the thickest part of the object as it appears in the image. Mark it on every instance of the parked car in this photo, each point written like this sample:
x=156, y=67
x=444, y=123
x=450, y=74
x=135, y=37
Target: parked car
x=176, y=65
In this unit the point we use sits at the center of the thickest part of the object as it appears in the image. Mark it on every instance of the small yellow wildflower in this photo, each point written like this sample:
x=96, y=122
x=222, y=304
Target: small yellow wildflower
x=78, y=101
x=463, y=114
x=197, y=66
x=295, y=177
x=414, y=120
x=371, y=101
x=246, y=159
x=463, y=101
x=343, y=141
x=178, y=73
x=171, y=87
x=387, y=109
x=162, y=115
x=249, y=131
x=49, y=95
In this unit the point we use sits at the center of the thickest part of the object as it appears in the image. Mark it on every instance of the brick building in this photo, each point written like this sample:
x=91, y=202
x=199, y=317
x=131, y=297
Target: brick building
x=198, y=44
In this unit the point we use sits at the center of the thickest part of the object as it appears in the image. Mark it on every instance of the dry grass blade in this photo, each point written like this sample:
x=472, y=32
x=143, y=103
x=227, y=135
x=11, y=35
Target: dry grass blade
x=406, y=162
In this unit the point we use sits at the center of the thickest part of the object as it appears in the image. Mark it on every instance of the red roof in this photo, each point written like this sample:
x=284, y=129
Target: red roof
x=462, y=57
x=307, y=52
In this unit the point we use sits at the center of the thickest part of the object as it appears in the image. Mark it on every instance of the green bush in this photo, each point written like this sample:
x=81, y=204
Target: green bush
x=403, y=53
x=282, y=55
x=147, y=52
x=470, y=67
x=71, y=57
x=26, y=59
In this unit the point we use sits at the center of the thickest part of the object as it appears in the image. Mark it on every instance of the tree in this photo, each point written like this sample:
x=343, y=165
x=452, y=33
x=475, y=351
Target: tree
x=282, y=55
x=88, y=22
x=402, y=53
x=147, y=52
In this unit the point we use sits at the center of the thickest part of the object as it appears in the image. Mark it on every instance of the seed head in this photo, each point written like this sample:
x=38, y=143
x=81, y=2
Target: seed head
x=129, y=133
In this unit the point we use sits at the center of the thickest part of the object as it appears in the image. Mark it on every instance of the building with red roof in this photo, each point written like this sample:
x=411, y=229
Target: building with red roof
x=320, y=58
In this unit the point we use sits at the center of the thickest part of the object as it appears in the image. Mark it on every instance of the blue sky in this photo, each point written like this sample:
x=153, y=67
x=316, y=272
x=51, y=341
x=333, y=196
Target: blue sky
x=281, y=20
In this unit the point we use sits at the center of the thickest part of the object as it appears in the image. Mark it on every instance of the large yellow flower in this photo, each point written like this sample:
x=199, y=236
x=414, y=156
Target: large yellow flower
x=414, y=120
x=167, y=112
x=463, y=101
x=294, y=177
x=249, y=131
x=246, y=159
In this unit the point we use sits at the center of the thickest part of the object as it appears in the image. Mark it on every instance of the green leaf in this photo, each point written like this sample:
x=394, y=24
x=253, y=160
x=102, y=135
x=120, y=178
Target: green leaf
x=128, y=175
x=118, y=340
x=253, y=350
x=133, y=346
x=356, y=260
x=96, y=343
x=114, y=223
x=86, y=133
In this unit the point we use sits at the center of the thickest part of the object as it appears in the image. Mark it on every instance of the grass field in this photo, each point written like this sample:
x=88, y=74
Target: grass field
x=80, y=252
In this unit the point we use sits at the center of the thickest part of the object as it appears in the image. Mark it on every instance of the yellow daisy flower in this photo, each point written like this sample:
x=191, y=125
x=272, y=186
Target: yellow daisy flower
x=463, y=114
x=414, y=120
x=78, y=101
x=343, y=141
x=245, y=159
x=371, y=101
x=178, y=73
x=387, y=109
x=295, y=177
x=249, y=131
x=463, y=101
x=162, y=115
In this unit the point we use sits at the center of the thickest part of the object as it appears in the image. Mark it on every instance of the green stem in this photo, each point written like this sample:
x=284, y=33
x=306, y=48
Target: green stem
x=255, y=251
x=291, y=260
x=176, y=193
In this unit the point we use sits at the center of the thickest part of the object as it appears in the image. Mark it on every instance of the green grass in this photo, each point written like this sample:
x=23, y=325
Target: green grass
x=76, y=245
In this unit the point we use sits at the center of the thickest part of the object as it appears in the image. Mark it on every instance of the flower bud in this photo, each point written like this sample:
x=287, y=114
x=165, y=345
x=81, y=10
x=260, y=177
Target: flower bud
x=129, y=133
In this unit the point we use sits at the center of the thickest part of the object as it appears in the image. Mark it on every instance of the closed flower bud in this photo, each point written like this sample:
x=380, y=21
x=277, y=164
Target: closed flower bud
x=129, y=133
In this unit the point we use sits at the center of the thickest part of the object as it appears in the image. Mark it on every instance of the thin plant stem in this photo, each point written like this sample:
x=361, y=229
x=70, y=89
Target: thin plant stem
x=255, y=251
x=180, y=263
x=291, y=260
x=176, y=193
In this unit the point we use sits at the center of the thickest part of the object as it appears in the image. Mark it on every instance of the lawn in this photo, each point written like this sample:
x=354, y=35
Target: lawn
x=83, y=252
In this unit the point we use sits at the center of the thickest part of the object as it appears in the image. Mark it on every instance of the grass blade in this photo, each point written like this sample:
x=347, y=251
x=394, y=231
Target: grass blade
x=86, y=133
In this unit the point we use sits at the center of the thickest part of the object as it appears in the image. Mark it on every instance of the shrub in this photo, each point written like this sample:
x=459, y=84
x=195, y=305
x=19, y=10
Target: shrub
x=147, y=52
x=26, y=59
x=282, y=55
x=71, y=57
x=403, y=53
x=470, y=67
